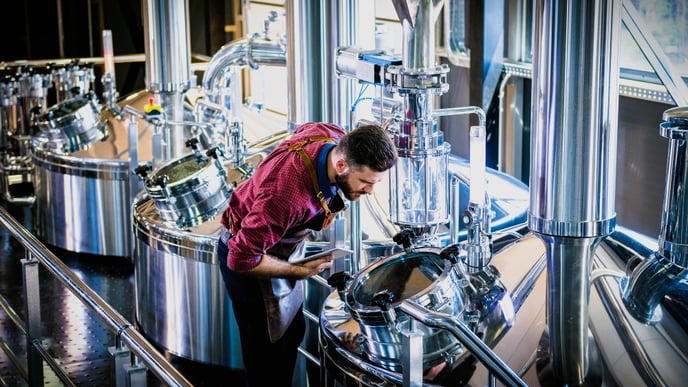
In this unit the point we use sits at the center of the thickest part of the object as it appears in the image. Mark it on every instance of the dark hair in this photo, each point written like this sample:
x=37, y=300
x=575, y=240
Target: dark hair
x=370, y=146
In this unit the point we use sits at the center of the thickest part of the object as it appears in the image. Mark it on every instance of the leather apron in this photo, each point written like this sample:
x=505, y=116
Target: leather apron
x=283, y=297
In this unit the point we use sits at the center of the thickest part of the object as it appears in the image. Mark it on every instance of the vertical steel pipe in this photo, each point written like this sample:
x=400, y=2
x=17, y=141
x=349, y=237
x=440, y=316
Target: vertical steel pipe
x=168, y=62
x=168, y=54
x=575, y=108
x=418, y=186
x=574, y=128
x=666, y=270
x=314, y=30
x=418, y=51
x=305, y=62
x=673, y=236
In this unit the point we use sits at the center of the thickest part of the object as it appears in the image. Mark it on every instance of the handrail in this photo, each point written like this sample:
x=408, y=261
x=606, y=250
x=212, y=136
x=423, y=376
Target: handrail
x=480, y=350
x=16, y=362
x=126, y=58
x=124, y=330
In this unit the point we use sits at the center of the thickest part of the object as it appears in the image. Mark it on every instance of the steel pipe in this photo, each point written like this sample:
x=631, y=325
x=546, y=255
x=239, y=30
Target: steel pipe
x=479, y=349
x=574, y=128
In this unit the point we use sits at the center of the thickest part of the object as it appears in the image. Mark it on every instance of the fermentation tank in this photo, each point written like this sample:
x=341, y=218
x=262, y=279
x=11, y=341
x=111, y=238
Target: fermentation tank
x=181, y=302
x=83, y=194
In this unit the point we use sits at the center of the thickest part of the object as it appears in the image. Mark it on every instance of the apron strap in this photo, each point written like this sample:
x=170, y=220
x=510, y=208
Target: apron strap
x=298, y=147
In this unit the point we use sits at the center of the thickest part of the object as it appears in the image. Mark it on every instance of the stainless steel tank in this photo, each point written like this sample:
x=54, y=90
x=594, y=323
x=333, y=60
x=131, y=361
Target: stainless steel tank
x=83, y=197
x=181, y=301
x=345, y=364
x=374, y=294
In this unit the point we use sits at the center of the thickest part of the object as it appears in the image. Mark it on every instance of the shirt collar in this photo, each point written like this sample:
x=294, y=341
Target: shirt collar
x=329, y=190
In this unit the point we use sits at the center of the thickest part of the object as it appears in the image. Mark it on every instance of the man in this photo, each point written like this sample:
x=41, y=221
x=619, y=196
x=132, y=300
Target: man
x=292, y=192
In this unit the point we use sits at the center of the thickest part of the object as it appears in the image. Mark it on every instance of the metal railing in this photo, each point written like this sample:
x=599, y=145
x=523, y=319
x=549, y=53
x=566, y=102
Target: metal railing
x=128, y=340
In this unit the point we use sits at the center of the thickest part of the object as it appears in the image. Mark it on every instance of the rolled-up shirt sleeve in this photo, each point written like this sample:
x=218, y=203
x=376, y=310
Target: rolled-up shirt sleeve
x=264, y=225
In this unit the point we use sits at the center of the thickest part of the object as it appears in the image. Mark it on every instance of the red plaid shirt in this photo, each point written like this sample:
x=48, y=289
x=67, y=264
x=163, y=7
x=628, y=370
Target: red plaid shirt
x=278, y=202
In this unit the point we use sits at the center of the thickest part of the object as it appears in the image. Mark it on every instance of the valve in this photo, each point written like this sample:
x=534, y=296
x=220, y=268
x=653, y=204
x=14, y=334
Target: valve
x=451, y=253
x=215, y=152
x=488, y=298
x=161, y=181
x=384, y=299
x=340, y=281
x=152, y=108
x=142, y=170
x=405, y=238
x=192, y=143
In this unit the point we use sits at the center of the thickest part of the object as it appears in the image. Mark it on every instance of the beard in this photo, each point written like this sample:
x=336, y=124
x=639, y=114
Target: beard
x=344, y=185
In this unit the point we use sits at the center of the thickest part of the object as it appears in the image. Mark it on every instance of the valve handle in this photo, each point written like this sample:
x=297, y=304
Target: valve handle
x=161, y=181
x=383, y=299
x=192, y=143
x=339, y=280
x=215, y=152
x=142, y=170
x=404, y=238
x=451, y=253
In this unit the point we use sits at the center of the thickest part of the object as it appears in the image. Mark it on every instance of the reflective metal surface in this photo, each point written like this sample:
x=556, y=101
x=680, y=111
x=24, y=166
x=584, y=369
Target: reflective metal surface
x=168, y=52
x=352, y=366
x=575, y=316
x=73, y=334
x=182, y=304
x=72, y=80
x=630, y=353
x=181, y=300
x=251, y=52
x=665, y=271
x=418, y=21
x=569, y=263
x=575, y=81
x=641, y=354
x=168, y=64
x=82, y=205
x=72, y=125
x=508, y=206
x=421, y=276
x=574, y=127
x=83, y=198
x=189, y=190
x=673, y=236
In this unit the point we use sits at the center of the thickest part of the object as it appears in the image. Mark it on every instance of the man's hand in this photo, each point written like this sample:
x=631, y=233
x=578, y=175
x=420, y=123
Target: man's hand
x=270, y=266
x=319, y=265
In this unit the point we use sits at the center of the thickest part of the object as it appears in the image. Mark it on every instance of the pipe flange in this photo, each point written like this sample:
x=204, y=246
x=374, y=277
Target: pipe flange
x=418, y=81
x=671, y=131
x=677, y=116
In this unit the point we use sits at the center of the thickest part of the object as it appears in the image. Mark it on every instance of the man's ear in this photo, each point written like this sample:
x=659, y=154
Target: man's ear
x=341, y=165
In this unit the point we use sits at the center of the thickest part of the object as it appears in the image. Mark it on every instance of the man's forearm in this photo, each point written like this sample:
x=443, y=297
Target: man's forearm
x=270, y=266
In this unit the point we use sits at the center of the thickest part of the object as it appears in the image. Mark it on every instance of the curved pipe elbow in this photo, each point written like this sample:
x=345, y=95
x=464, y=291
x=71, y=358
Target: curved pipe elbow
x=644, y=289
x=229, y=55
x=244, y=52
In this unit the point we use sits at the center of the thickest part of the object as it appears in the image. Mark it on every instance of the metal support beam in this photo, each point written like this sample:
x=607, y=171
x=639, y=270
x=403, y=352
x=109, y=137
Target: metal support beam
x=33, y=319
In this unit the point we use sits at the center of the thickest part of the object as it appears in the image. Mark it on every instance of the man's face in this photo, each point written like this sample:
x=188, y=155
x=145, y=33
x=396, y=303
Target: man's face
x=355, y=182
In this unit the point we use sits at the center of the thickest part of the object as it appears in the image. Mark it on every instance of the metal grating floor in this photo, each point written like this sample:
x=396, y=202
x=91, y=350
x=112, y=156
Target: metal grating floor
x=71, y=334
